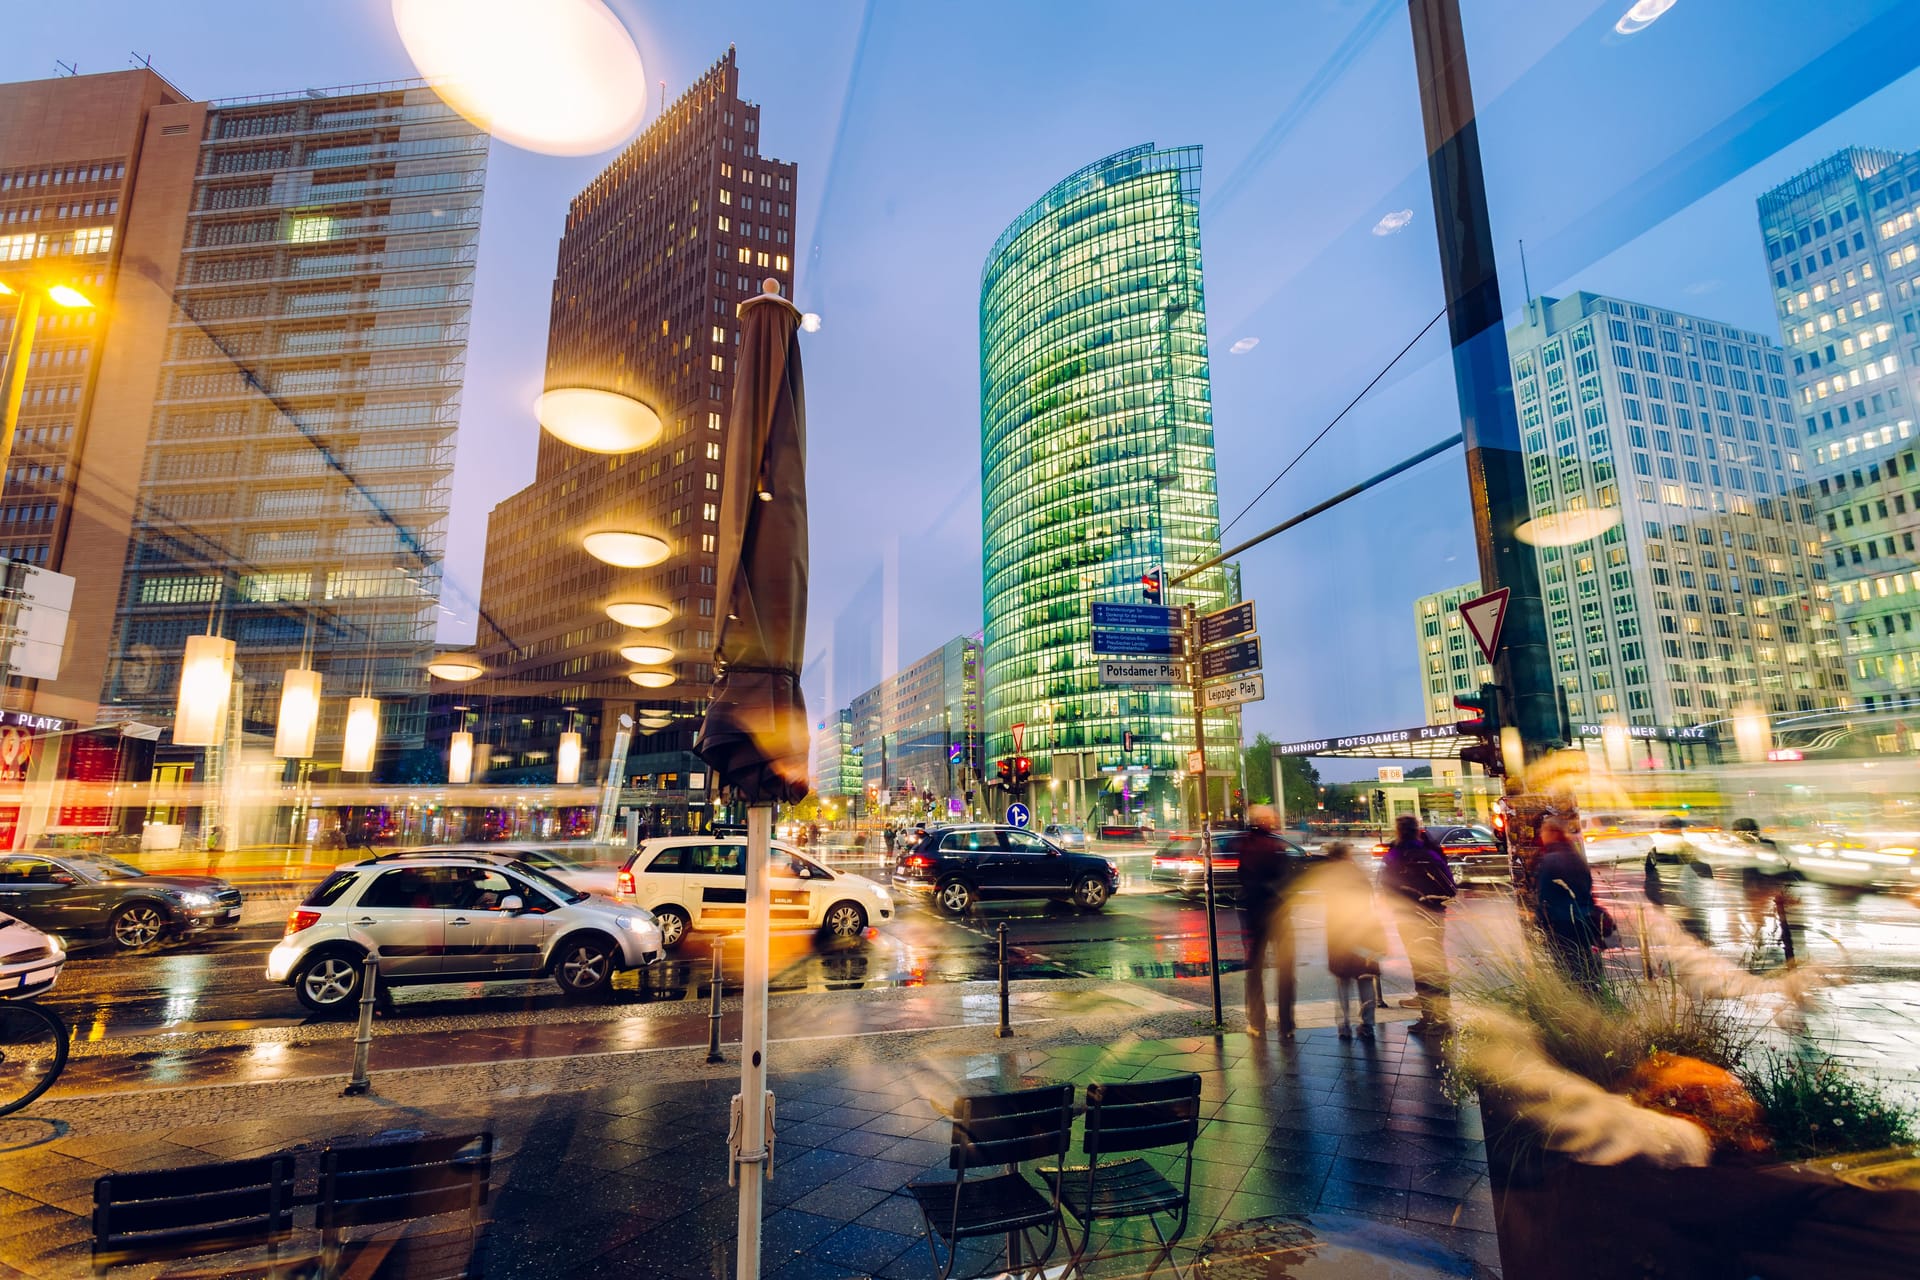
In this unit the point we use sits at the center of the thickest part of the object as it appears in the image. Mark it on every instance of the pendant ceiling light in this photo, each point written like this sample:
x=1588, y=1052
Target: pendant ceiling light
x=648, y=654
x=457, y=667
x=206, y=685
x=363, y=735
x=630, y=613
x=597, y=421
x=299, y=714
x=626, y=548
x=566, y=768
x=651, y=679
x=460, y=758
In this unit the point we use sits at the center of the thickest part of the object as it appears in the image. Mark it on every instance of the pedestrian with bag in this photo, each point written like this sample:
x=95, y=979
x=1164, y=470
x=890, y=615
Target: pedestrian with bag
x=1415, y=873
x=1356, y=940
x=1574, y=924
x=1265, y=918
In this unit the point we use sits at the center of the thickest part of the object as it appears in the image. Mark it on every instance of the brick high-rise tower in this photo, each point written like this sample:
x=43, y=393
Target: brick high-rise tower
x=658, y=252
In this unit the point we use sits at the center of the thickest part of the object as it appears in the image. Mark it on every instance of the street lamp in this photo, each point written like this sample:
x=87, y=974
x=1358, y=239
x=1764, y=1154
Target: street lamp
x=26, y=319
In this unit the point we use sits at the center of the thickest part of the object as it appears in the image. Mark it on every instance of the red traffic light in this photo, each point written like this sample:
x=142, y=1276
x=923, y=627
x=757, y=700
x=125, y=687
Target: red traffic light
x=1023, y=765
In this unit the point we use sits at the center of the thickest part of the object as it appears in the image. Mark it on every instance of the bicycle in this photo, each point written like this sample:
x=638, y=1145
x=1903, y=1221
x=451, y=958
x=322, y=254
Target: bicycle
x=33, y=1052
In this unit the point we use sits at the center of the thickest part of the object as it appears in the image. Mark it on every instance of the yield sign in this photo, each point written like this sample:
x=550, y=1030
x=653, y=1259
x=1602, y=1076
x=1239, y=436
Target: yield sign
x=1484, y=618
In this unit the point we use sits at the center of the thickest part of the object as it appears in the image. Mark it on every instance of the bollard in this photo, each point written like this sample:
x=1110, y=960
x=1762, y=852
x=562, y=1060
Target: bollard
x=1786, y=930
x=363, y=1038
x=713, y=1009
x=1006, y=1023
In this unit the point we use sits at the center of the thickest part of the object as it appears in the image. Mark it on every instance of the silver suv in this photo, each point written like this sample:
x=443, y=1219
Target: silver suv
x=454, y=917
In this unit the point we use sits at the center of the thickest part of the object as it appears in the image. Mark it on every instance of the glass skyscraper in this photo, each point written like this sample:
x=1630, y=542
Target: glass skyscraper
x=1096, y=463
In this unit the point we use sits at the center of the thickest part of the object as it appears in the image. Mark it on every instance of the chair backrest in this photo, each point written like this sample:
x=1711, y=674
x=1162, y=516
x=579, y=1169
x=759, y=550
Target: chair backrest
x=177, y=1213
x=388, y=1182
x=1007, y=1128
x=1138, y=1115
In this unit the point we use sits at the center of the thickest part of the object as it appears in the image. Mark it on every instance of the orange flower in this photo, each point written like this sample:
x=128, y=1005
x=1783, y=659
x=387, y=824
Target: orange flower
x=1706, y=1095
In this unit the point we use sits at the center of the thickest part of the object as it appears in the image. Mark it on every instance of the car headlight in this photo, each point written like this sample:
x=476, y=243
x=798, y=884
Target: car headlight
x=1113, y=868
x=194, y=898
x=56, y=943
x=633, y=924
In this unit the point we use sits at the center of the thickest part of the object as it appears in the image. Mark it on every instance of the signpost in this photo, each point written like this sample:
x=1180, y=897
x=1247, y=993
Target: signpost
x=1017, y=814
x=1485, y=615
x=1144, y=672
x=1232, y=693
x=1139, y=617
x=1126, y=642
x=1230, y=659
x=1227, y=624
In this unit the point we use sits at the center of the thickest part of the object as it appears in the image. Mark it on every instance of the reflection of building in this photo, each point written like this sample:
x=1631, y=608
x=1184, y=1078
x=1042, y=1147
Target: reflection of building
x=658, y=252
x=1450, y=661
x=295, y=490
x=917, y=733
x=1097, y=455
x=1843, y=251
x=836, y=761
x=1703, y=595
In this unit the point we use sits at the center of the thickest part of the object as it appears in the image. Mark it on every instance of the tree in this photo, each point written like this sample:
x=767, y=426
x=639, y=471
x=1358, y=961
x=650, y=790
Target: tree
x=1301, y=779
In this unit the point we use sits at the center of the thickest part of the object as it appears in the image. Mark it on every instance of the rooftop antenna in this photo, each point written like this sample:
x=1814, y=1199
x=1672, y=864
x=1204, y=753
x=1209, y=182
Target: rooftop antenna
x=142, y=59
x=67, y=68
x=1525, y=285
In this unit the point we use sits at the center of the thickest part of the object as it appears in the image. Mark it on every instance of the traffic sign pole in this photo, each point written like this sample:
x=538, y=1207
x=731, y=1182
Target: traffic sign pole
x=1206, y=824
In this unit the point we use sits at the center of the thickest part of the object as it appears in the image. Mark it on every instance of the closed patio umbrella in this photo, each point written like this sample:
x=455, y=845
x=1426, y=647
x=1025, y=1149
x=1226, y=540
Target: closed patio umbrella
x=755, y=732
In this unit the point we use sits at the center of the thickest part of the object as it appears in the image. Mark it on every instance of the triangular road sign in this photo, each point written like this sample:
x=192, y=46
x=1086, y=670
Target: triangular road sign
x=1484, y=618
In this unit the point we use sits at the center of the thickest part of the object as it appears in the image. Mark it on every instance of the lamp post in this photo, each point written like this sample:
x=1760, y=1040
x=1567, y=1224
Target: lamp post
x=13, y=383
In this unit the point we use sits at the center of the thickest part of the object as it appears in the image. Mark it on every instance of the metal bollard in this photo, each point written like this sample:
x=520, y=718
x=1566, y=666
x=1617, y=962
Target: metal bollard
x=713, y=1009
x=363, y=1038
x=1006, y=1023
x=1786, y=930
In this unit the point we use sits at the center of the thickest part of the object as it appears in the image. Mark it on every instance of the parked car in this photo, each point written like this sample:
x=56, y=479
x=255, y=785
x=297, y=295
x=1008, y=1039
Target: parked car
x=86, y=893
x=1067, y=837
x=1473, y=853
x=956, y=866
x=454, y=917
x=1178, y=866
x=699, y=882
x=563, y=863
x=29, y=959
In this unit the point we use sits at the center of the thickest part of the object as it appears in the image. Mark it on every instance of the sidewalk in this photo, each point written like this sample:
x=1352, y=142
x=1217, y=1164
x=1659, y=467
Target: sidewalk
x=1347, y=1154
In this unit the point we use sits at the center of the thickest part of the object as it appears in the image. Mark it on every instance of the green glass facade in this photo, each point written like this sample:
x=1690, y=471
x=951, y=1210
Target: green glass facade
x=1096, y=463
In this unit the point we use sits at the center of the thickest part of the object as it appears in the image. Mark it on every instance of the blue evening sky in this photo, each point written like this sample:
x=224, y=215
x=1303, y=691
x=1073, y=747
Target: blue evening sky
x=1629, y=165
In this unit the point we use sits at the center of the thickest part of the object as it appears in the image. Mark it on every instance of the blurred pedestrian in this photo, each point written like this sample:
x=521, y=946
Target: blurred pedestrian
x=1415, y=871
x=889, y=835
x=1563, y=904
x=1265, y=918
x=1356, y=940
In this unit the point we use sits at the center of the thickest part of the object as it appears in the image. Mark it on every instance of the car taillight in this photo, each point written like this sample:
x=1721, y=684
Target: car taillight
x=916, y=860
x=626, y=881
x=301, y=920
x=1379, y=851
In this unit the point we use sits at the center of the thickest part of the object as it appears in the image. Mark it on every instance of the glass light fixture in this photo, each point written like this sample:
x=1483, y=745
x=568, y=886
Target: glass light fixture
x=651, y=679
x=597, y=421
x=206, y=685
x=1565, y=528
x=646, y=653
x=299, y=714
x=631, y=613
x=625, y=548
x=655, y=722
x=362, y=736
x=457, y=667
x=460, y=758
x=566, y=766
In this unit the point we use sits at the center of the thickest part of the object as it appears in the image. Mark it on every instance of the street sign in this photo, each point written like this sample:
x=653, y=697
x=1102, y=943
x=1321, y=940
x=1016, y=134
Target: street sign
x=1393, y=773
x=1143, y=617
x=1017, y=814
x=1167, y=642
x=1122, y=671
x=1194, y=761
x=1231, y=659
x=1484, y=616
x=1227, y=623
x=1231, y=693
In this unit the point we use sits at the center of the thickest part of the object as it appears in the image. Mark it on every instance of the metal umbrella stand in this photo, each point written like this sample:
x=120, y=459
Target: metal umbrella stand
x=755, y=732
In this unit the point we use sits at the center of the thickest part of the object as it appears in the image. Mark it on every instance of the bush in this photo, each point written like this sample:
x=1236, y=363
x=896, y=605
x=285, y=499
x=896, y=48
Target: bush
x=1816, y=1107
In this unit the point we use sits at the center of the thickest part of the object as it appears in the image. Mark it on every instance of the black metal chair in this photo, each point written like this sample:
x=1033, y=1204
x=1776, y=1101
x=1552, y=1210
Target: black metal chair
x=183, y=1213
x=395, y=1182
x=1000, y=1130
x=1123, y=1119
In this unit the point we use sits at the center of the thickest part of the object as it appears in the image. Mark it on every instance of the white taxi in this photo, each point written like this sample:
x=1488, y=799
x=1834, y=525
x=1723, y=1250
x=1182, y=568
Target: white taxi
x=700, y=882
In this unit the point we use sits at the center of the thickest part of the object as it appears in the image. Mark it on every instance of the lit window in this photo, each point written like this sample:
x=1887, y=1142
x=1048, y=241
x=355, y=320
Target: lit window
x=719, y=334
x=746, y=254
x=709, y=512
x=719, y=363
x=317, y=227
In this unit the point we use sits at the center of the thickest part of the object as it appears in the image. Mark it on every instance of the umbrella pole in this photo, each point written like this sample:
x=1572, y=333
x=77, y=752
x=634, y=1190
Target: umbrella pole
x=752, y=1150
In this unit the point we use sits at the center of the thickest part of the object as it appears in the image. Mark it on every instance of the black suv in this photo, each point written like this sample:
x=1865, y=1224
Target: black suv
x=957, y=866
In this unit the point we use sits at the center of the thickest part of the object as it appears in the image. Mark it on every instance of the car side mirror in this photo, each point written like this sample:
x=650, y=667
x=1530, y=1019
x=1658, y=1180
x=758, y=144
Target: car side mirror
x=513, y=902
x=61, y=877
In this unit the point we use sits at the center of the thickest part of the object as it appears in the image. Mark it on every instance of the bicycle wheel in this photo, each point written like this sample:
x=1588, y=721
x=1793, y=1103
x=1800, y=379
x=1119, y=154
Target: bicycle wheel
x=33, y=1049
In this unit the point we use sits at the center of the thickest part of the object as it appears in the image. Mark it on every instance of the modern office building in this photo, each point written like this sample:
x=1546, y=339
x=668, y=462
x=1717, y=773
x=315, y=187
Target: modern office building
x=1096, y=459
x=1450, y=662
x=1843, y=252
x=1707, y=592
x=835, y=766
x=658, y=252
x=917, y=733
x=294, y=494
x=95, y=177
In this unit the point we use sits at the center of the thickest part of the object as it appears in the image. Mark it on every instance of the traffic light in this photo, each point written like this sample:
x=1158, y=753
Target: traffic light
x=1483, y=728
x=1126, y=741
x=1022, y=770
x=1150, y=585
x=1003, y=771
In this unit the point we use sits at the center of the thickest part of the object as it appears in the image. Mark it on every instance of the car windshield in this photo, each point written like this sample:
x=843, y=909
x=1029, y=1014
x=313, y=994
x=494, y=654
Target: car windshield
x=544, y=881
x=100, y=867
x=547, y=860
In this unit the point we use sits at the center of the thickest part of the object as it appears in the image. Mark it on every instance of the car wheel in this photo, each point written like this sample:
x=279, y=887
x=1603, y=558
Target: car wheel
x=583, y=965
x=137, y=924
x=844, y=920
x=328, y=983
x=1090, y=893
x=955, y=897
x=673, y=924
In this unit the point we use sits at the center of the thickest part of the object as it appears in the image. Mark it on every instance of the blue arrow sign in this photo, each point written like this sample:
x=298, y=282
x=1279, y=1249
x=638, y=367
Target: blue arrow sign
x=1161, y=642
x=1145, y=617
x=1017, y=814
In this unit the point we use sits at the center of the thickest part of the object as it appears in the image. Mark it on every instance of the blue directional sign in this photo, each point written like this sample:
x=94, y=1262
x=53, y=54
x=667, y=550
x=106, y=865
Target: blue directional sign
x=1017, y=814
x=1144, y=617
x=1129, y=642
